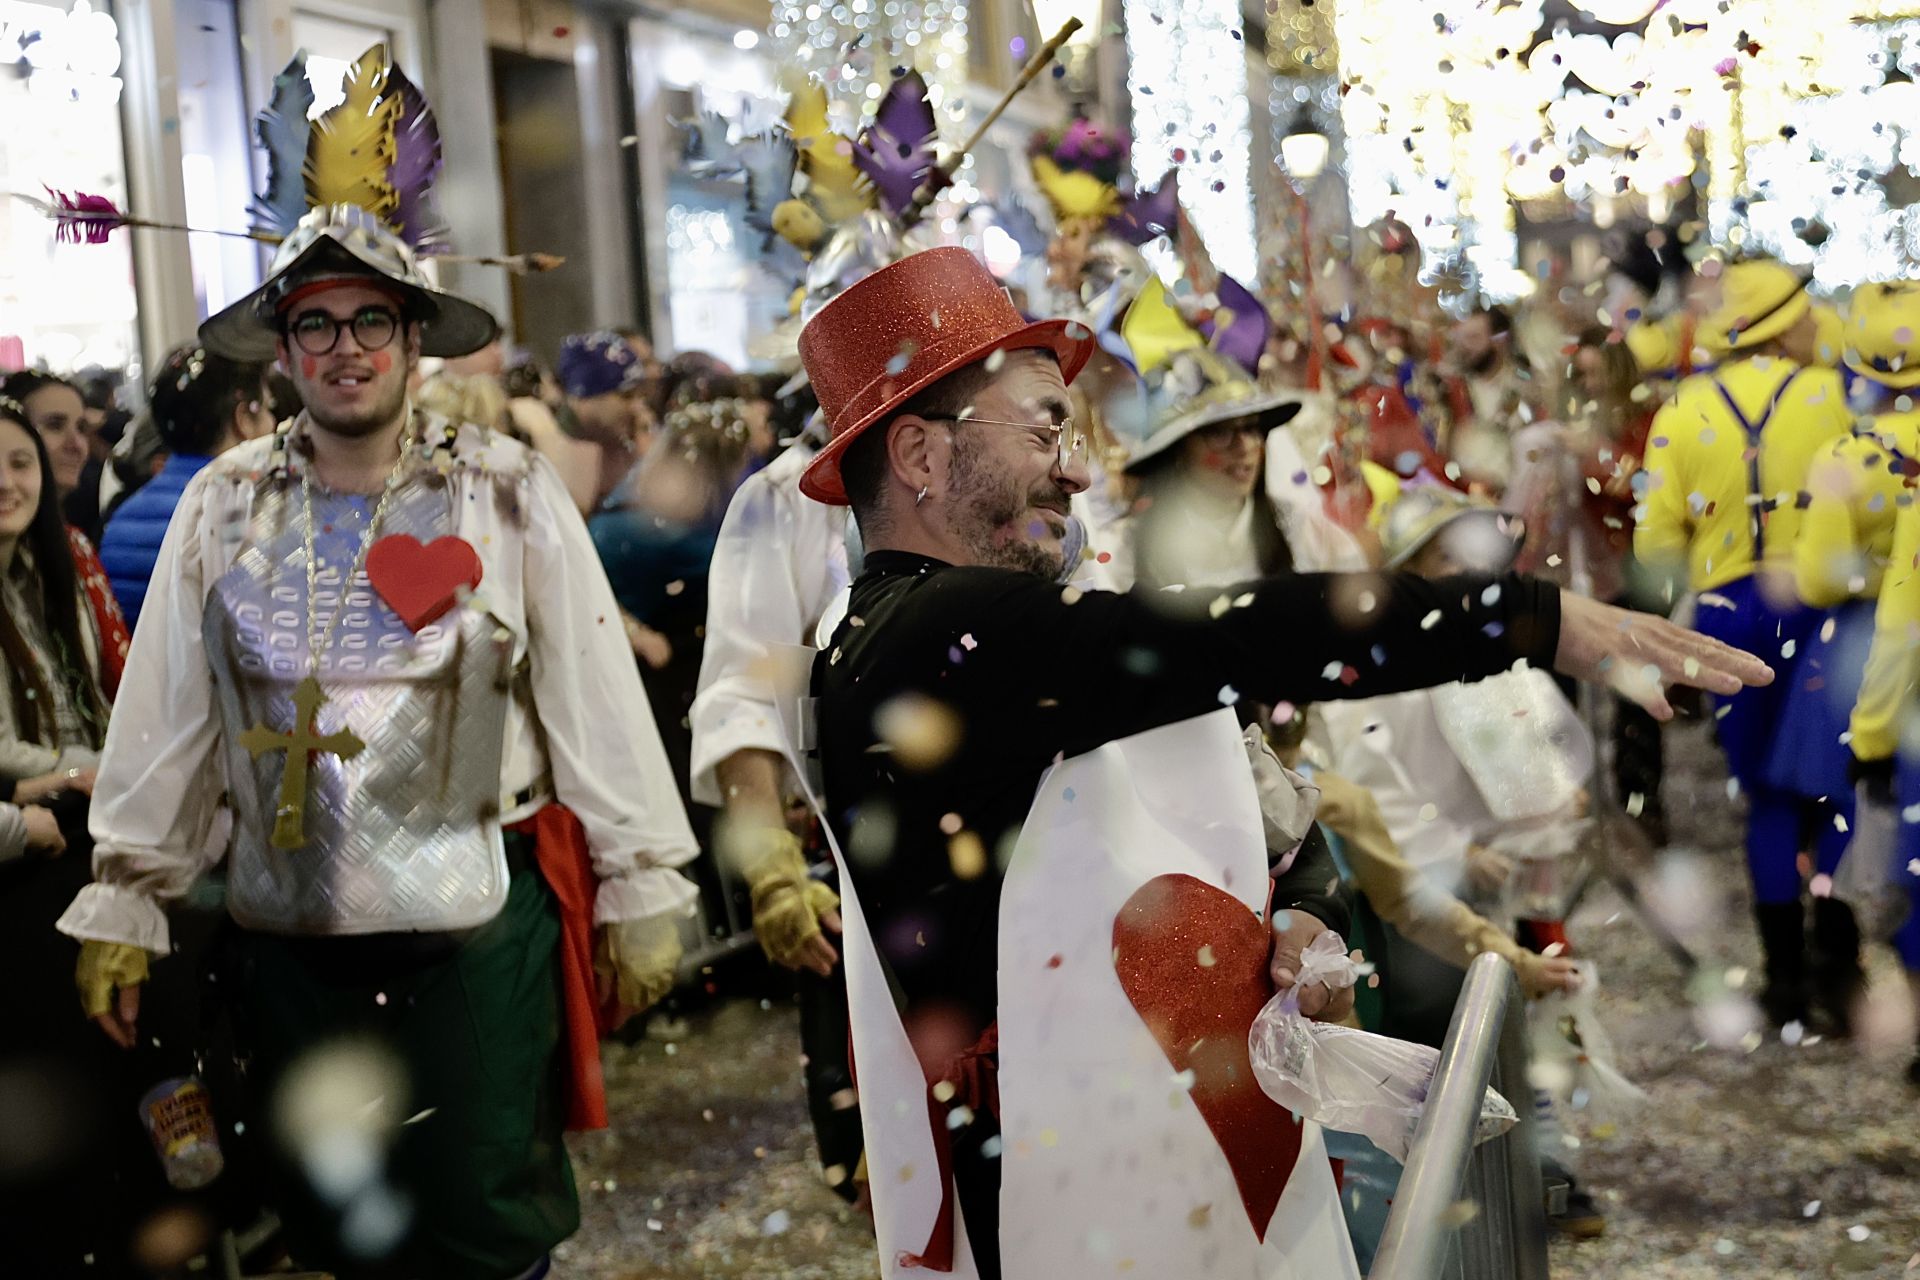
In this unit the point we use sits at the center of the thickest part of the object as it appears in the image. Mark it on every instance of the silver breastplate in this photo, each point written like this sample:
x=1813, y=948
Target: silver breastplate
x=404, y=834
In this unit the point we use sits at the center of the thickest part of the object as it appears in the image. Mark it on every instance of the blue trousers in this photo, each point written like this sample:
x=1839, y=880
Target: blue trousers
x=1746, y=724
x=1906, y=939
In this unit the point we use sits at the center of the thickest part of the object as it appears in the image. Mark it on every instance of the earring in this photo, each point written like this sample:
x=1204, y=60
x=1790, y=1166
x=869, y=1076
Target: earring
x=921, y=496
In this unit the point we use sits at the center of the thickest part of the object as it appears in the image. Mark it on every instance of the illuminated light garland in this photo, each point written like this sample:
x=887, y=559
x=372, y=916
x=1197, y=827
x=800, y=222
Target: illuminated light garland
x=1820, y=165
x=854, y=47
x=1187, y=79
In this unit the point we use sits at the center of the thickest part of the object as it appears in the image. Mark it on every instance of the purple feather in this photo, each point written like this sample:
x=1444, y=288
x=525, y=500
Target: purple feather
x=895, y=152
x=1147, y=214
x=1240, y=325
x=416, y=164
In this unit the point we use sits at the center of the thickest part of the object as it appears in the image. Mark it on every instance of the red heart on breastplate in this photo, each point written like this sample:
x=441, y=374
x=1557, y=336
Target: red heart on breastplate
x=1201, y=1013
x=421, y=582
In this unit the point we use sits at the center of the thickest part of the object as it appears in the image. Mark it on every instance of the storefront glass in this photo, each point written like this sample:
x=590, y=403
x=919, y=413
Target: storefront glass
x=216, y=152
x=719, y=298
x=62, y=306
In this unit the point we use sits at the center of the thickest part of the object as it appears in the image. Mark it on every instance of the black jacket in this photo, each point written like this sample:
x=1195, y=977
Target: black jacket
x=999, y=674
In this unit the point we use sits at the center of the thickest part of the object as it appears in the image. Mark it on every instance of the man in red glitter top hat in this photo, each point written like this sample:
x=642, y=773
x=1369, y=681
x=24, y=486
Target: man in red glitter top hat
x=1056, y=879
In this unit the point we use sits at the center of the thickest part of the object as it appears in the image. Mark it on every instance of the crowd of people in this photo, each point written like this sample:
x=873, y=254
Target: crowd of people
x=375, y=683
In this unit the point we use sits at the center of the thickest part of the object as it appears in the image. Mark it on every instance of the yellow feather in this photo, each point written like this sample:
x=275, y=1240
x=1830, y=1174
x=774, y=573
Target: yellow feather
x=1154, y=331
x=1073, y=193
x=833, y=183
x=350, y=149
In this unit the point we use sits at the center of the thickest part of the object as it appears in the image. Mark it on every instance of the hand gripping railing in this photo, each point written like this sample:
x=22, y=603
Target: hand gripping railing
x=1504, y=1233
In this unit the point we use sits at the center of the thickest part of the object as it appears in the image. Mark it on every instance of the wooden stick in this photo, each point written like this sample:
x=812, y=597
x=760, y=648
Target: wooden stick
x=519, y=264
x=942, y=175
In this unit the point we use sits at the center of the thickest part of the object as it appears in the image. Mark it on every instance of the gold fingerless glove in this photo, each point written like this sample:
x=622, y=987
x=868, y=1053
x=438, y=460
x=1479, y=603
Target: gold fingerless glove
x=103, y=967
x=787, y=902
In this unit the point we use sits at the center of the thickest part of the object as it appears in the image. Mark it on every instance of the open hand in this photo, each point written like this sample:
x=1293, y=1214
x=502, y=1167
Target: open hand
x=1638, y=655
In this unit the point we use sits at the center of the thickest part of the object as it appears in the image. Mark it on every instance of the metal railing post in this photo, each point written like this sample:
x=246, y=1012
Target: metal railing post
x=1421, y=1236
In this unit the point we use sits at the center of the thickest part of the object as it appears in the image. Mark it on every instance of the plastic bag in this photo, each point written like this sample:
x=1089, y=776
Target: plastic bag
x=1573, y=1059
x=1345, y=1078
x=1868, y=877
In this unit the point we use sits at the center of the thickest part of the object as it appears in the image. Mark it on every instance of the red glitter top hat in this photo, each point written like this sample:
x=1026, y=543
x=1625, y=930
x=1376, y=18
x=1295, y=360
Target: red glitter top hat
x=902, y=329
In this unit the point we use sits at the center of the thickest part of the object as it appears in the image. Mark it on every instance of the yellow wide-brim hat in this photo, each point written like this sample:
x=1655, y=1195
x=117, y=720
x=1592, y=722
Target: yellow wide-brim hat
x=1883, y=333
x=1759, y=300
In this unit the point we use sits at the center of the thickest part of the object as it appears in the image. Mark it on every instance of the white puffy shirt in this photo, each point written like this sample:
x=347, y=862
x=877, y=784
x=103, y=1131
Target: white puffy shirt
x=590, y=729
x=780, y=560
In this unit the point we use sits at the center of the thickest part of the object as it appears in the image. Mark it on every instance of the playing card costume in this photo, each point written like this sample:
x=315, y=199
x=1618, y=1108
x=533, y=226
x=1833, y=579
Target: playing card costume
x=395, y=694
x=1055, y=908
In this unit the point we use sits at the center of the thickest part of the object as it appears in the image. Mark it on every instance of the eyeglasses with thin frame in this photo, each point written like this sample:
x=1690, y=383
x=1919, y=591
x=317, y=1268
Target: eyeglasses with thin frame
x=317, y=333
x=1072, y=446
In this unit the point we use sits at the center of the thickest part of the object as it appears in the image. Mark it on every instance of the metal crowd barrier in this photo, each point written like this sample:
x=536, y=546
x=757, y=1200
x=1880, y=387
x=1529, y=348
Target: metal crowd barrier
x=1495, y=1187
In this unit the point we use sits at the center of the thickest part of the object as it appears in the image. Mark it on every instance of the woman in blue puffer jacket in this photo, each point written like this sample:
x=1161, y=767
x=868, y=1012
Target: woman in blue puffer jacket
x=202, y=405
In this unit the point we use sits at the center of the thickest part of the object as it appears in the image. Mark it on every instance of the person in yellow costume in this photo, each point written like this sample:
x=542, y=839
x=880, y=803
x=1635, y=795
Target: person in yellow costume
x=1726, y=464
x=1840, y=559
x=1883, y=345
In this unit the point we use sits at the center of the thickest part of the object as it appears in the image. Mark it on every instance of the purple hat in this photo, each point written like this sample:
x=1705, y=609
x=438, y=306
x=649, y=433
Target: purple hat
x=592, y=364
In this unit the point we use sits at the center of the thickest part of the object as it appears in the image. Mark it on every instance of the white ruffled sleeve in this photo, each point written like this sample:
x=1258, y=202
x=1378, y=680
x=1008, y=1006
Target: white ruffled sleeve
x=159, y=786
x=770, y=579
x=608, y=764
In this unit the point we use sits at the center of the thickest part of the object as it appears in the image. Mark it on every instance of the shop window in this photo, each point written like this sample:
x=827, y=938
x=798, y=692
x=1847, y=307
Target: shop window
x=216, y=153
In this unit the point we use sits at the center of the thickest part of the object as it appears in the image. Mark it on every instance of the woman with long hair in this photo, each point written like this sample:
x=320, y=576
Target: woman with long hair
x=1207, y=507
x=54, y=409
x=53, y=715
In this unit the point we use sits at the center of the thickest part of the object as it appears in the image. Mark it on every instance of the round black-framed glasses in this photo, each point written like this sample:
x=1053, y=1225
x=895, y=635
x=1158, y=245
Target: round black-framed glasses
x=317, y=332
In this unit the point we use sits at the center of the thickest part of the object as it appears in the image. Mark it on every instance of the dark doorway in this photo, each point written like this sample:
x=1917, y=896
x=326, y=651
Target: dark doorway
x=537, y=103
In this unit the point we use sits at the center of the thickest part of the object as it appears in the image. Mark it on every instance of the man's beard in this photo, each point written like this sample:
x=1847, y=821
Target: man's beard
x=1485, y=362
x=363, y=422
x=987, y=507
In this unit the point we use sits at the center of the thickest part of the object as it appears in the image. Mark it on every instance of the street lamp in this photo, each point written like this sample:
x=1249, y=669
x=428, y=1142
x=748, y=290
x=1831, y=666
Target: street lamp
x=1304, y=150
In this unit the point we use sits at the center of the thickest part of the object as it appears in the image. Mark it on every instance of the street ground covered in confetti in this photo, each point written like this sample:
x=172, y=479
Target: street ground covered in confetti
x=1773, y=1162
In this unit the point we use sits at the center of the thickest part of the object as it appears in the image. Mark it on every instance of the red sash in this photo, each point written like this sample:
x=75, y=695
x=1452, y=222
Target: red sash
x=560, y=847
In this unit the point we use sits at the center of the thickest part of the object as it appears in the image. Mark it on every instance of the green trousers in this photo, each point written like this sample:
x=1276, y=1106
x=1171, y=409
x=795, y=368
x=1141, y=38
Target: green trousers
x=474, y=1019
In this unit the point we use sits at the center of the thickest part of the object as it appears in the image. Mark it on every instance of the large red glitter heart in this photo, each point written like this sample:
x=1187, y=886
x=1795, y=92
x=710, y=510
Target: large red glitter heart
x=1193, y=960
x=421, y=582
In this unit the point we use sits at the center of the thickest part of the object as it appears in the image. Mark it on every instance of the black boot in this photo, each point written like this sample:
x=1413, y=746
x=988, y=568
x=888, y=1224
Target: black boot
x=1838, y=980
x=1784, y=942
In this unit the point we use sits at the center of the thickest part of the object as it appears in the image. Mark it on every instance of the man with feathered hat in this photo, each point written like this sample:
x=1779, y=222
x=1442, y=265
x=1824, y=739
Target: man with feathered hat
x=385, y=637
x=1055, y=872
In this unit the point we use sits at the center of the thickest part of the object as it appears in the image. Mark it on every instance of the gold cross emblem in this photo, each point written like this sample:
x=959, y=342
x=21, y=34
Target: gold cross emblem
x=290, y=817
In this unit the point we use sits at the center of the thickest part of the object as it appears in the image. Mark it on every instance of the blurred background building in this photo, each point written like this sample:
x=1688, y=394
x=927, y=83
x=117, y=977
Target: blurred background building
x=1503, y=135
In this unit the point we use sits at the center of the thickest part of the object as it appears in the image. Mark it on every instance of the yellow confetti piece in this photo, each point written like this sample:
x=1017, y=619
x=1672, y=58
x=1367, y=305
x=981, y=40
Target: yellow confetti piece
x=968, y=855
x=921, y=732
